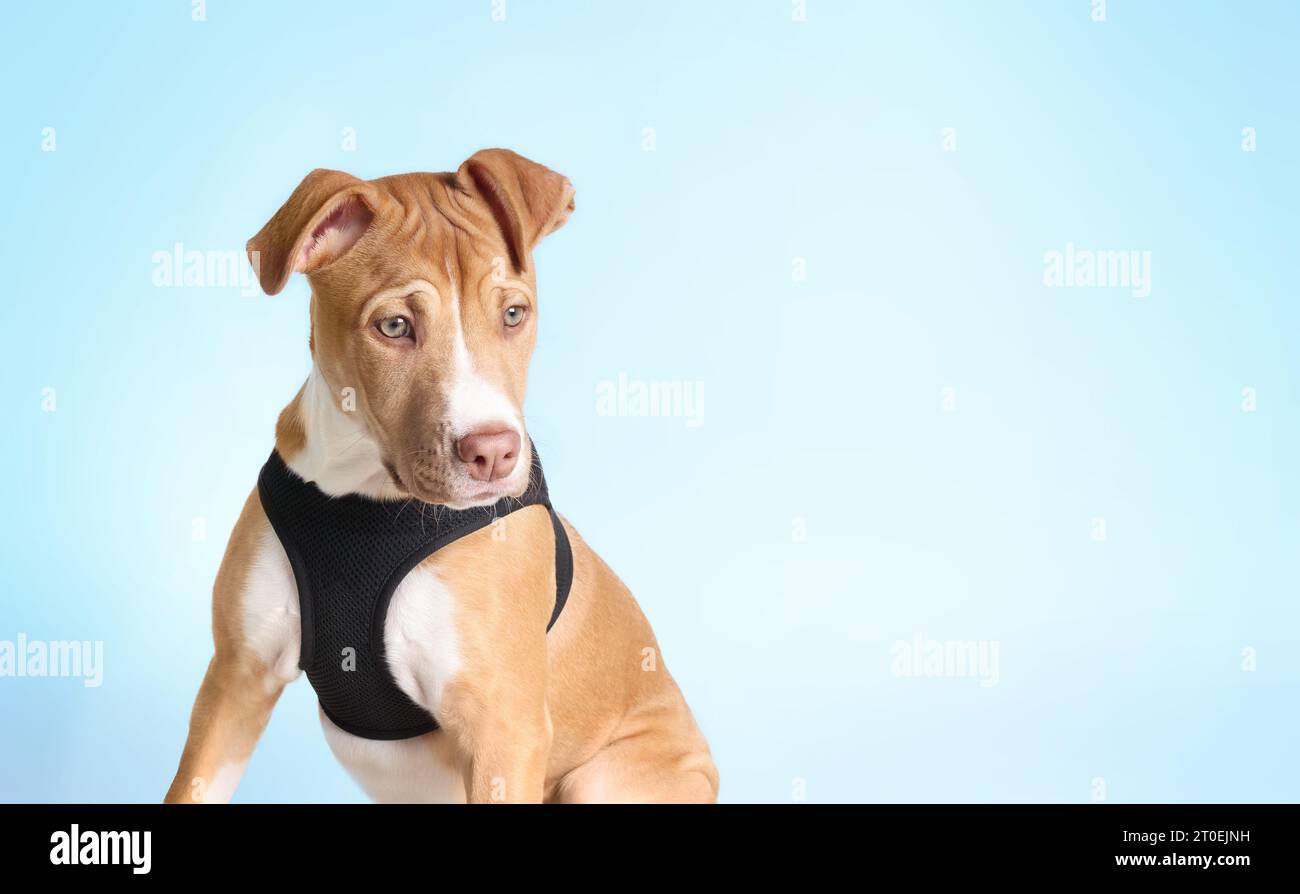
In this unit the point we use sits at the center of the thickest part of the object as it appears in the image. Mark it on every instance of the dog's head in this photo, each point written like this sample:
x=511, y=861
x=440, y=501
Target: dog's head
x=424, y=311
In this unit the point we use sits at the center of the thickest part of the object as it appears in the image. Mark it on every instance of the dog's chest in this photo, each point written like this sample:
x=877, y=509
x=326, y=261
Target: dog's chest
x=420, y=641
x=421, y=646
x=423, y=655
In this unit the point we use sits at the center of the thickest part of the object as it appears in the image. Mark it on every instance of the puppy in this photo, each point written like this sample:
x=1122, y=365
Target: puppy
x=504, y=662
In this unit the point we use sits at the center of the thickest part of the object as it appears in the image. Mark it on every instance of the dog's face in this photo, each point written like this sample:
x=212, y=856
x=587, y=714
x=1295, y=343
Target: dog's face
x=424, y=312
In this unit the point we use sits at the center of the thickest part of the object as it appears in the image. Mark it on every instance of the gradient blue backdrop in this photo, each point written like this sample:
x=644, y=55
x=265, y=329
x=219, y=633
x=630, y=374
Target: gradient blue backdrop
x=774, y=140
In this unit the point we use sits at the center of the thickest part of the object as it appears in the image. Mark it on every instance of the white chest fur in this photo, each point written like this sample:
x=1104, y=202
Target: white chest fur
x=420, y=637
x=423, y=656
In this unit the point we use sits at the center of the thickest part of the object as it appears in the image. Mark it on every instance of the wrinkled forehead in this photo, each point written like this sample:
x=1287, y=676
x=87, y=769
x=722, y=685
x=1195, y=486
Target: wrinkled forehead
x=425, y=230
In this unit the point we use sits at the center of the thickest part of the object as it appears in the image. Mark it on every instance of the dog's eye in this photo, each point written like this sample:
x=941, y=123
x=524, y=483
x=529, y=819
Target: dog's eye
x=514, y=315
x=395, y=327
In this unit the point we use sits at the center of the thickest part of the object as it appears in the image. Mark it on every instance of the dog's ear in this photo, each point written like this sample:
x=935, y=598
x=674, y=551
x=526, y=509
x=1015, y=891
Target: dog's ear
x=320, y=222
x=527, y=201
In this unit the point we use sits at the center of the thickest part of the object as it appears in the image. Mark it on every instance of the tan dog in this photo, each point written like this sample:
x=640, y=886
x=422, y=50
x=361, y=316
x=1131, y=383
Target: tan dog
x=423, y=312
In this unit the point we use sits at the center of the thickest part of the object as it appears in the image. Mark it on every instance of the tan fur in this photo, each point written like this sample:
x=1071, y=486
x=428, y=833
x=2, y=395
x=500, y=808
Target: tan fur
x=585, y=713
x=234, y=701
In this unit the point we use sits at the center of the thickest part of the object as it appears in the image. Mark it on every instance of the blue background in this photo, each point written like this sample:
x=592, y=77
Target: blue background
x=774, y=140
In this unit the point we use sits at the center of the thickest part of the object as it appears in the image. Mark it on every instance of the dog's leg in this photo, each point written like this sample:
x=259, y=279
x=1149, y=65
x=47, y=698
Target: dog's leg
x=229, y=715
x=507, y=752
x=255, y=624
x=493, y=704
x=495, y=708
x=659, y=757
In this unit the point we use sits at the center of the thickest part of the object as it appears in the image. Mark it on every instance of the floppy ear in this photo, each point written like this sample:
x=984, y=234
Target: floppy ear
x=527, y=201
x=322, y=219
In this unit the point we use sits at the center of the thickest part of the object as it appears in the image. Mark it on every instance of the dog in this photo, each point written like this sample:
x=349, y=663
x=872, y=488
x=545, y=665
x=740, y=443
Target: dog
x=423, y=321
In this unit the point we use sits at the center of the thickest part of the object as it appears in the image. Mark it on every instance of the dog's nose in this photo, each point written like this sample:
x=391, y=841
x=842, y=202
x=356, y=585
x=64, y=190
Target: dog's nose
x=489, y=454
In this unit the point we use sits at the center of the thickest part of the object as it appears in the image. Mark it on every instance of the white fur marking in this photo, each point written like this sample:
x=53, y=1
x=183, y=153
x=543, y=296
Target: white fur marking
x=473, y=402
x=420, y=639
x=221, y=788
x=272, y=625
x=403, y=771
x=340, y=455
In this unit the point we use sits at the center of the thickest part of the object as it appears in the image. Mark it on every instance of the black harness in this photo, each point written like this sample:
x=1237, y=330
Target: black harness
x=348, y=555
